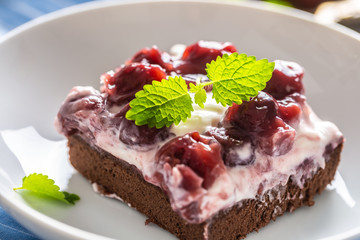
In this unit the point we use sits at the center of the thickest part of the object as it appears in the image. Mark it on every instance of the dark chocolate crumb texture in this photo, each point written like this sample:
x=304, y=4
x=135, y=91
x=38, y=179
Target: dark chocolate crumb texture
x=221, y=174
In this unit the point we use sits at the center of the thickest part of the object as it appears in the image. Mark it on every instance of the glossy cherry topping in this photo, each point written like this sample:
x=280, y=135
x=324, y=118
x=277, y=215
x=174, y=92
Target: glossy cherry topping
x=129, y=79
x=236, y=151
x=153, y=56
x=278, y=141
x=196, y=154
x=134, y=135
x=195, y=57
x=259, y=120
x=264, y=122
x=152, y=64
x=78, y=106
x=254, y=116
x=290, y=108
x=286, y=79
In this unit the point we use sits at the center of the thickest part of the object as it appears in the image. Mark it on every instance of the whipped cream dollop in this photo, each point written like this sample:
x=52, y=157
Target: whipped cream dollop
x=201, y=118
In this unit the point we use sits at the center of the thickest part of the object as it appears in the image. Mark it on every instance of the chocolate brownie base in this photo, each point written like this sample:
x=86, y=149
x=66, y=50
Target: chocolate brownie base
x=119, y=177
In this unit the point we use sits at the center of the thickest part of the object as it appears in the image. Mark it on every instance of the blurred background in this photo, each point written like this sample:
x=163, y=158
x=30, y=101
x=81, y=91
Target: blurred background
x=16, y=12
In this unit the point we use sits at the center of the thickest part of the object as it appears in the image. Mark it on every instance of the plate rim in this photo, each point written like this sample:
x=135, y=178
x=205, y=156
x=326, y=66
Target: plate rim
x=93, y=5
x=25, y=213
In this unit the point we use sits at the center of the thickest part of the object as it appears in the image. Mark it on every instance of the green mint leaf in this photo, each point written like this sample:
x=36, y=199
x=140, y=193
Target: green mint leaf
x=41, y=184
x=200, y=94
x=161, y=103
x=237, y=77
x=71, y=197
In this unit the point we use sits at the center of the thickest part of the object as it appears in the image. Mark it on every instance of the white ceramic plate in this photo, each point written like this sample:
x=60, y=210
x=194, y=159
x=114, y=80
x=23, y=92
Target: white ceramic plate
x=42, y=60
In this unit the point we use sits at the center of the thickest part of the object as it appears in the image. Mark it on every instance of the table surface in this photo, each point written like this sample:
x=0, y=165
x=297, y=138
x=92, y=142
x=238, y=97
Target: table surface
x=12, y=14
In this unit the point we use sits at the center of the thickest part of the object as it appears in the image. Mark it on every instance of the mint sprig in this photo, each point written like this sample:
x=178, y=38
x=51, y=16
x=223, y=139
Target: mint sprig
x=200, y=94
x=41, y=184
x=235, y=78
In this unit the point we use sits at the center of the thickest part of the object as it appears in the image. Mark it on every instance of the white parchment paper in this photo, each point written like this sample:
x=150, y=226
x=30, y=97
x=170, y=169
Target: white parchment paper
x=37, y=154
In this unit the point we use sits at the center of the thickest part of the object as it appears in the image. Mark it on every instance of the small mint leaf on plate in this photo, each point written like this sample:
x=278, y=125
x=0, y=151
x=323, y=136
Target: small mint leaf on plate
x=41, y=184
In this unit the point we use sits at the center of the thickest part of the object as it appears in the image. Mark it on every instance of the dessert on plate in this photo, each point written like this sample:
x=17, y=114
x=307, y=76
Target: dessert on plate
x=225, y=171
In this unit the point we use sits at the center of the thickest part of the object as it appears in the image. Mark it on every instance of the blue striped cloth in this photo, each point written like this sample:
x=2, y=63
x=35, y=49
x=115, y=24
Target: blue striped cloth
x=10, y=229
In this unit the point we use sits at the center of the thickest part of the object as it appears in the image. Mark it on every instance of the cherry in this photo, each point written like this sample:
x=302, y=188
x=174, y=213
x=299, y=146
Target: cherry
x=236, y=152
x=195, y=56
x=286, y=79
x=201, y=154
x=258, y=120
x=153, y=56
x=132, y=134
x=191, y=181
x=130, y=79
x=252, y=116
x=290, y=108
x=79, y=105
x=279, y=141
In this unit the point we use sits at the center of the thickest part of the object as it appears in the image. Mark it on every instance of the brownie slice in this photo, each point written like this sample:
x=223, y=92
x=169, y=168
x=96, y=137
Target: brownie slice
x=126, y=181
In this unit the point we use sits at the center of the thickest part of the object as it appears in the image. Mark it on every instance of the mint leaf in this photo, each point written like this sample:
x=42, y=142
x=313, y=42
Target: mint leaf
x=161, y=103
x=200, y=94
x=41, y=184
x=238, y=77
x=71, y=197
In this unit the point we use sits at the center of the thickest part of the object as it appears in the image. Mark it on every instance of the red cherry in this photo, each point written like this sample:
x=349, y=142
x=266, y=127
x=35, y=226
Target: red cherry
x=252, y=116
x=232, y=153
x=79, y=106
x=196, y=56
x=286, y=79
x=153, y=56
x=130, y=79
x=202, y=154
